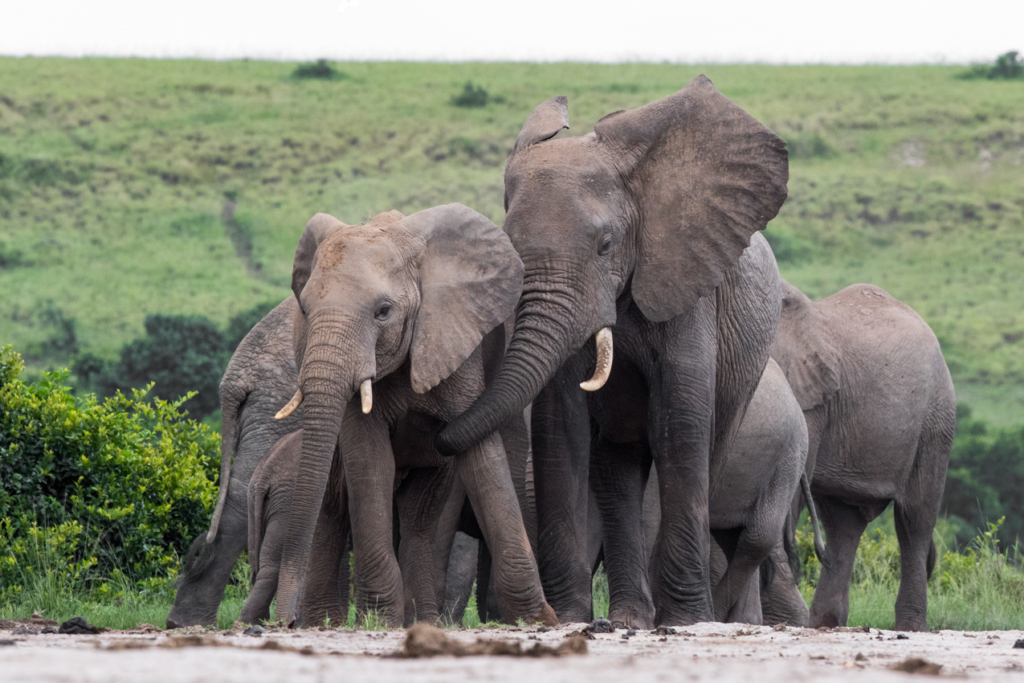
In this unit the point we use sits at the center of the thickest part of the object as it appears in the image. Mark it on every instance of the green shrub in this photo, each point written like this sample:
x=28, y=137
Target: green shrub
x=1008, y=66
x=179, y=354
x=98, y=494
x=475, y=96
x=320, y=69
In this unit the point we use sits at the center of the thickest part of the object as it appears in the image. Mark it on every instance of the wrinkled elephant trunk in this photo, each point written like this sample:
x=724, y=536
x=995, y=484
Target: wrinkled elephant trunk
x=543, y=338
x=326, y=388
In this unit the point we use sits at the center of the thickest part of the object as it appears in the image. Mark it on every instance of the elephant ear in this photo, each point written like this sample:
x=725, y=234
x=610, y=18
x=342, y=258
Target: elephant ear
x=317, y=229
x=470, y=281
x=706, y=176
x=803, y=349
x=544, y=122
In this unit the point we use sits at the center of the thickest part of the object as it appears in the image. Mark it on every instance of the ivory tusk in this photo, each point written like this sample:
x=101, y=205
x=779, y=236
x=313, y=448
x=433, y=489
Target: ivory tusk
x=366, y=395
x=604, y=361
x=290, y=408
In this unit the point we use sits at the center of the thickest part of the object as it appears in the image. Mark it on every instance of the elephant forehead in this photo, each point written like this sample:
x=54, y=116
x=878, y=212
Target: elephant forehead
x=565, y=158
x=360, y=250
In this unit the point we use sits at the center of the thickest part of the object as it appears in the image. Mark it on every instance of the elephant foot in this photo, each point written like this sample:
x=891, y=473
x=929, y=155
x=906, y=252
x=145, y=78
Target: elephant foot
x=631, y=617
x=911, y=624
x=827, y=620
x=546, y=616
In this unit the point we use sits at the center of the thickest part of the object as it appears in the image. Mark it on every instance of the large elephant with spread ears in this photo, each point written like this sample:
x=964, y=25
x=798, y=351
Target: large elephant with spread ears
x=645, y=229
x=393, y=313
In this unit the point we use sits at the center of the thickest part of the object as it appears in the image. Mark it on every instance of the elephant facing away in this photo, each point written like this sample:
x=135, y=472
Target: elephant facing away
x=393, y=313
x=646, y=230
x=261, y=376
x=880, y=409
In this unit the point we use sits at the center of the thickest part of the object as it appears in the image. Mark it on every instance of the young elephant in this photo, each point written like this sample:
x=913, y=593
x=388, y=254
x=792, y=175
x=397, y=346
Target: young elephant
x=260, y=377
x=271, y=493
x=397, y=308
x=878, y=399
x=749, y=502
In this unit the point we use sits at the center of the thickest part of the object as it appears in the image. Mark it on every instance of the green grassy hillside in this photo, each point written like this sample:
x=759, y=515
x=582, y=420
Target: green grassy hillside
x=130, y=187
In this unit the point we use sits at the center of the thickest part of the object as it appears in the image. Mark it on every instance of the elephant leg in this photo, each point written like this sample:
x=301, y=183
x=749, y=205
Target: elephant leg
x=485, y=474
x=618, y=475
x=421, y=501
x=680, y=430
x=781, y=601
x=370, y=474
x=844, y=525
x=209, y=565
x=747, y=608
x=561, y=463
x=325, y=593
x=445, y=552
x=264, y=586
x=752, y=547
x=460, y=577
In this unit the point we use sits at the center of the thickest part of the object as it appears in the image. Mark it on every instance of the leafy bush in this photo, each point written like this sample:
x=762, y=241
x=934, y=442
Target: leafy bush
x=179, y=354
x=104, y=493
x=985, y=480
x=320, y=69
x=1008, y=66
x=475, y=96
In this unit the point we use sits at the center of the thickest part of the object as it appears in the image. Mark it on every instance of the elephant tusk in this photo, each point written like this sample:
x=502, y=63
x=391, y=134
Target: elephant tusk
x=604, y=361
x=290, y=408
x=366, y=395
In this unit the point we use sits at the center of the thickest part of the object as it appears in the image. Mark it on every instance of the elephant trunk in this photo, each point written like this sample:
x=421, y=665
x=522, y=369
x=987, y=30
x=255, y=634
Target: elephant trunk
x=541, y=341
x=326, y=388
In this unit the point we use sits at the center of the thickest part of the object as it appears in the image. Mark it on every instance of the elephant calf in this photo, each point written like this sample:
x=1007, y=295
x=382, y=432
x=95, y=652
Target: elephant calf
x=880, y=409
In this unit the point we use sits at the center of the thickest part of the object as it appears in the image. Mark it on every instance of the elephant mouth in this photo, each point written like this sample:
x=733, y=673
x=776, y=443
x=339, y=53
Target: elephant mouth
x=365, y=400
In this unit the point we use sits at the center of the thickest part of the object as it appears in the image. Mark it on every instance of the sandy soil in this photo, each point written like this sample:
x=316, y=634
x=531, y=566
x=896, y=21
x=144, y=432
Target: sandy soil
x=709, y=652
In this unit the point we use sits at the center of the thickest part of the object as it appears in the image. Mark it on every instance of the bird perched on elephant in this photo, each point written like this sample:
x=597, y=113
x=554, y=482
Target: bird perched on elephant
x=261, y=376
x=880, y=409
x=645, y=229
x=392, y=317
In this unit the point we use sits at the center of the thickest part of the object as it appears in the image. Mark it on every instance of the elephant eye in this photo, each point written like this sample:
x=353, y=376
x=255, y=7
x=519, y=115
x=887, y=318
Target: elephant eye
x=383, y=311
x=606, y=246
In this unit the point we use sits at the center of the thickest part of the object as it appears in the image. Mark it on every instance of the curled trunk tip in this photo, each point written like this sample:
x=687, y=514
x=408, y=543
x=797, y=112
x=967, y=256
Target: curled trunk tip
x=604, y=361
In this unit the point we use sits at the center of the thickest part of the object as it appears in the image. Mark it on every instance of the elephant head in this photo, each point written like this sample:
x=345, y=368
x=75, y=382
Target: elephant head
x=803, y=349
x=657, y=204
x=422, y=290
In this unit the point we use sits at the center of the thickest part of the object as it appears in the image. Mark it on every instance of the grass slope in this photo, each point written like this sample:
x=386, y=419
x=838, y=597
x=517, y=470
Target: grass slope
x=114, y=176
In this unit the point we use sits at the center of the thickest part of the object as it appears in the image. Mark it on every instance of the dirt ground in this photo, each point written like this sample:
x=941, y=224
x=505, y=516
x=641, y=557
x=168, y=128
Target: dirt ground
x=702, y=652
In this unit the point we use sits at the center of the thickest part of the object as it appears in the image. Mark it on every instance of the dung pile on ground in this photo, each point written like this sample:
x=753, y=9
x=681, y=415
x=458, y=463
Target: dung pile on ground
x=917, y=665
x=424, y=640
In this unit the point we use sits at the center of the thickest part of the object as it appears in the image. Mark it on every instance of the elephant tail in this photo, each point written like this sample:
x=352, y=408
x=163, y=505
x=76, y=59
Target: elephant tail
x=819, y=545
x=789, y=547
x=930, y=562
x=231, y=400
x=254, y=504
x=767, y=569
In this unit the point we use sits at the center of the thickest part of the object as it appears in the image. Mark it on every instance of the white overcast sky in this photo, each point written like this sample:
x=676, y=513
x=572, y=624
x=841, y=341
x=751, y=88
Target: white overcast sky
x=774, y=31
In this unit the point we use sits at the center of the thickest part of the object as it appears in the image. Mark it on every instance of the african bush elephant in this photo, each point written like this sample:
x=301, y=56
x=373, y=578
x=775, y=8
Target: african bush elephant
x=261, y=376
x=271, y=495
x=398, y=307
x=647, y=227
x=752, y=493
x=878, y=399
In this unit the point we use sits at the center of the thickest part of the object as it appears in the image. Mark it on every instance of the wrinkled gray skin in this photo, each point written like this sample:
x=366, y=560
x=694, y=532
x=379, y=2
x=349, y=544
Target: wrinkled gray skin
x=878, y=399
x=260, y=378
x=404, y=302
x=748, y=509
x=271, y=492
x=638, y=227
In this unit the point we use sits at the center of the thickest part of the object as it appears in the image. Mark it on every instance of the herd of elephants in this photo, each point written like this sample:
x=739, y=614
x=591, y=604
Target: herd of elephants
x=422, y=401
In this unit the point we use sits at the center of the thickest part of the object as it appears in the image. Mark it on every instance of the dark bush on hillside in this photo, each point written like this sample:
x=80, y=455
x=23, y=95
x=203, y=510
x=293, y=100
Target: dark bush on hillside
x=93, y=492
x=240, y=325
x=986, y=477
x=179, y=354
x=320, y=69
x=475, y=96
x=1008, y=66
